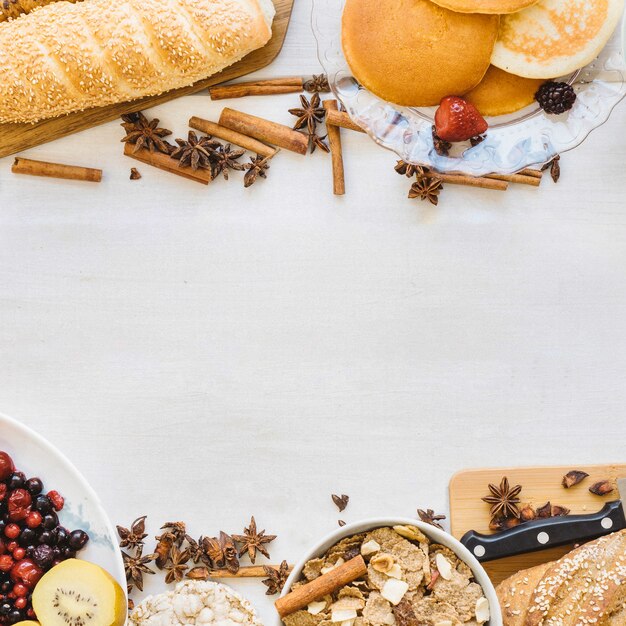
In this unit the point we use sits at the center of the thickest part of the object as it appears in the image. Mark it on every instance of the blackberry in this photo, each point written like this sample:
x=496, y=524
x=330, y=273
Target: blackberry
x=555, y=98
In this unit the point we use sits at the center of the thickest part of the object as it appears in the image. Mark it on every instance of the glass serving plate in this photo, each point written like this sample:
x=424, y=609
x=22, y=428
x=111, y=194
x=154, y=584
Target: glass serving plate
x=513, y=142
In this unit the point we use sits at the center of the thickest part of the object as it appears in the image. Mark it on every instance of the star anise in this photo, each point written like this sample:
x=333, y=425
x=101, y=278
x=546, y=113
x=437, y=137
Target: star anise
x=195, y=152
x=136, y=566
x=195, y=550
x=133, y=538
x=310, y=113
x=318, y=84
x=315, y=141
x=406, y=169
x=229, y=550
x=503, y=499
x=177, y=565
x=252, y=540
x=430, y=517
x=276, y=578
x=144, y=133
x=426, y=188
x=224, y=158
x=258, y=166
x=442, y=147
x=212, y=551
x=177, y=531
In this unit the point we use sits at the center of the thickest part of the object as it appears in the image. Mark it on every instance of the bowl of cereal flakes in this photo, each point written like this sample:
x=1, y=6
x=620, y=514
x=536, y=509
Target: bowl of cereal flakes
x=416, y=574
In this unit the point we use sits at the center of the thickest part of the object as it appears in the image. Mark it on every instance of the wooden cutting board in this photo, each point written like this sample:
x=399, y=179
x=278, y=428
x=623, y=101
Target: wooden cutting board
x=17, y=137
x=539, y=485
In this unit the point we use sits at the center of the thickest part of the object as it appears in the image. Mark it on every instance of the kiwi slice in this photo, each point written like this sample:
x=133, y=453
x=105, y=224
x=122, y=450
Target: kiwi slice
x=79, y=593
x=27, y=622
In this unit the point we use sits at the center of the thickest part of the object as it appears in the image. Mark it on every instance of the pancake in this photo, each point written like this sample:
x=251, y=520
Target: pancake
x=413, y=52
x=501, y=93
x=555, y=37
x=485, y=6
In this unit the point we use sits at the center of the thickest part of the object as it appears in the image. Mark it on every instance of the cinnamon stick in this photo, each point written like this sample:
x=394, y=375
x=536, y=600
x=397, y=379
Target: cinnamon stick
x=264, y=130
x=516, y=178
x=470, y=181
x=249, y=571
x=292, y=84
x=342, y=119
x=166, y=163
x=55, y=170
x=321, y=586
x=336, y=151
x=531, y=172
x=243, y=141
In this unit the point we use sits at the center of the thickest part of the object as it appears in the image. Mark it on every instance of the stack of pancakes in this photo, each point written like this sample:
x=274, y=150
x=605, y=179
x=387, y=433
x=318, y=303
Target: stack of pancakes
x=495, y=53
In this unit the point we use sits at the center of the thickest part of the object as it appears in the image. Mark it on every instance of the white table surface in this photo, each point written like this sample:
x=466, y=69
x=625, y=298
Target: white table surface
x=210, y=353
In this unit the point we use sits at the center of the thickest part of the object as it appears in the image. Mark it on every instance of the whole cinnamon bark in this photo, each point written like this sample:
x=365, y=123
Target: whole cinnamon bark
x=55, y=170
x=336, y=151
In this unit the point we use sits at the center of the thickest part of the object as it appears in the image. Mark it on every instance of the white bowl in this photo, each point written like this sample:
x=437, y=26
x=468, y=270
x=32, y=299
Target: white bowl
x=35, y=456
x=438, y=536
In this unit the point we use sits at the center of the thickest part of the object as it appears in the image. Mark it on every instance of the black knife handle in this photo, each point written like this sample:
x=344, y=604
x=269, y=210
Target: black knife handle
x=546, y=533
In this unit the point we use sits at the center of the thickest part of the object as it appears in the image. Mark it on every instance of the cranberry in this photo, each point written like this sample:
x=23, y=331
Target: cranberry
x=11, y=546
x=20, y=603
x=6, y=466
x=20, y=590
x=19, y=553
x=3, y=491
x=57, y=500
x=19, y=499
x=6, y=563
x=26, y=572
x=12, y=531
x=33, y=519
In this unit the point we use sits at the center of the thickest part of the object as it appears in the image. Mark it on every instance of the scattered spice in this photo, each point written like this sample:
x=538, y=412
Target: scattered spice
x=195, y=152
x=176, y=530
x=504, y=523
x=442, y=148
x=341, y=502
x=199, y=573
x=601, y=488
x=213, y=552
x=309, y=114
x=528, y=514
x=477, y=140
x=229, y=550
x=253, y=540
x=258, y=166
x=144, y=133
x=573, y=478
x=133, y=538
x=176, y=565
x=430, y=517
x=315, y=141
x=136, y=566
x=276, y=578
x=559, y=511
x=426, y=189
x=134, y=173
x=545, y=511
x=341, y=523
x=406, y=169
x=504, y=499
x=195, y=550
x=318, y=84
x=224, y=158
x=555, y=168
x=162, y=550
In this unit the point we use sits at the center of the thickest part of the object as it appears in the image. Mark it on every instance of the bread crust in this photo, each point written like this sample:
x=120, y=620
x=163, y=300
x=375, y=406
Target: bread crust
x=68, y=57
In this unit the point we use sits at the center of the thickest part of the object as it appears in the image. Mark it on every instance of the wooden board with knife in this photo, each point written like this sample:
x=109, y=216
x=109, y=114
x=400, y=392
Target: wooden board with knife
x=601, y=514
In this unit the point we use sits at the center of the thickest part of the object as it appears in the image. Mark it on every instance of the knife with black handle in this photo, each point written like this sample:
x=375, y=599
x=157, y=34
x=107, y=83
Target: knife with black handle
x=548, y=533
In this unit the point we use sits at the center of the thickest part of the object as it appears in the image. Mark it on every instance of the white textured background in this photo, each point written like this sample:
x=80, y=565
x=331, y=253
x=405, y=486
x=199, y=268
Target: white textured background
x=207, y=353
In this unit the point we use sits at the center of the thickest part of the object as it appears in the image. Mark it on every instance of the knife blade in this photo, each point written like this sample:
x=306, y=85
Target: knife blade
x=549, y=533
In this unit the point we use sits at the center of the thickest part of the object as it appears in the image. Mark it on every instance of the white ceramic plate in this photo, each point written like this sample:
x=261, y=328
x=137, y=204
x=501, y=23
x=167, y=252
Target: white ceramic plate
x=438, y=536
x=34, y=456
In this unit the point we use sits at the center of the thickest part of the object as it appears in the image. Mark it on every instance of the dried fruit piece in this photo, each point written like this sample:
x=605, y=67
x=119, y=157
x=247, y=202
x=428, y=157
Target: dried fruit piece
x=601, y=488
x=527, y=514
x=573, y=478
x=341, y=501
x=559, y=511
x=230, y=552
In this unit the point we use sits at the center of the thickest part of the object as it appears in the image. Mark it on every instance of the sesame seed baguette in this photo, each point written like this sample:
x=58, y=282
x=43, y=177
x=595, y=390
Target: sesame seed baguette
x=515, y=594
x=10, y=9
x=68, y=57
x=586, y=586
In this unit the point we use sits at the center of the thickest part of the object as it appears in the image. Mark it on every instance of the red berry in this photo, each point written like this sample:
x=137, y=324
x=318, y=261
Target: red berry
x=458, y=120
x=6, y=563
x=57, y=500
x=3, y=491
x=30, y=613
x=11, y=546
x=33, y=519
x=12, y=531
x=19, y=553
x=26, y=572
x=20, y=590
x=6, y=465
x=20, y=603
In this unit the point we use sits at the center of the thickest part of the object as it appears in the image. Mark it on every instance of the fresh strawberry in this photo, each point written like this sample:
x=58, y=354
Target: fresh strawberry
x=458, y=120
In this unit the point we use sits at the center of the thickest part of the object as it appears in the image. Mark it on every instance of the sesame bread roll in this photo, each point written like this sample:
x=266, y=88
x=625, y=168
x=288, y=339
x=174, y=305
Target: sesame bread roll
x=10, y=9
x=68, y=57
